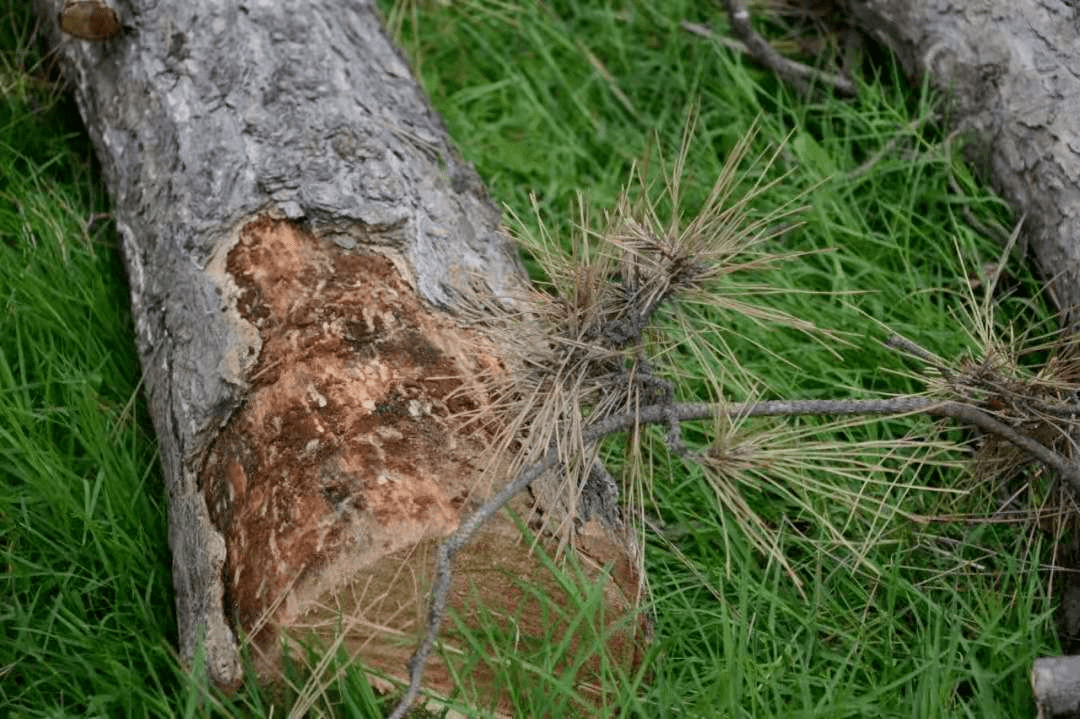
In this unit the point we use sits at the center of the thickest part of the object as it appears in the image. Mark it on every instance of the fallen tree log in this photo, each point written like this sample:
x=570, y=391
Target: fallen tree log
x=298, y=232
x=1006, y=71
x=1004, y=68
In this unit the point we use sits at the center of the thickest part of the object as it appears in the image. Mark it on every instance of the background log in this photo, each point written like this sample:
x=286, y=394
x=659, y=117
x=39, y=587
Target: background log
x=1005, y=68
x=296, y=229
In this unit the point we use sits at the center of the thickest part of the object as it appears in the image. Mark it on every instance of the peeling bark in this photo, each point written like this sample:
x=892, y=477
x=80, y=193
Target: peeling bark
x=297, y=232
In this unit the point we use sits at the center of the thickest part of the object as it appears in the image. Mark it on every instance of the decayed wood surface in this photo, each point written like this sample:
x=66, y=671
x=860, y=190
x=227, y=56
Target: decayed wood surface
x=296, y=228
x=1007, y=68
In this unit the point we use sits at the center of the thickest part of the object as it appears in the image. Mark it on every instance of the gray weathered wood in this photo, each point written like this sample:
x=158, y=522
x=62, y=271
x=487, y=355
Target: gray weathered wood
x=1054, y=683
x=206, y=114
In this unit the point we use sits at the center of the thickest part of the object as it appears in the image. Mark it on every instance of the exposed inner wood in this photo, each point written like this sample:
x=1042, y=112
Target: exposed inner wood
x=348, y=459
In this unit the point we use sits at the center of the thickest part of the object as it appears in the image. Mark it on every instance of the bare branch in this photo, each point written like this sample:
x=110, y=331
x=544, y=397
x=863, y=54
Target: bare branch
x=799, y=75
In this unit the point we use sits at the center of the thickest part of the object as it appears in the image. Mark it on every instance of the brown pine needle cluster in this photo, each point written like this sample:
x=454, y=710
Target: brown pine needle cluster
x=1042, y=406
x=583, y=346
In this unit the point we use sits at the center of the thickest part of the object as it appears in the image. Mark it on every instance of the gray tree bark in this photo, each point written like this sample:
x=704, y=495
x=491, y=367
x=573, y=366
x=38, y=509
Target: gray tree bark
x=297, y=230
x=1053, y=681
x=1007, y=68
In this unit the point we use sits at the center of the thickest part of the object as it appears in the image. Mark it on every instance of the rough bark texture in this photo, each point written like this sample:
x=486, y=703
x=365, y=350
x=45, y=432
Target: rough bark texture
x=1053, y=680
x=1008, y=70
x=294, y=224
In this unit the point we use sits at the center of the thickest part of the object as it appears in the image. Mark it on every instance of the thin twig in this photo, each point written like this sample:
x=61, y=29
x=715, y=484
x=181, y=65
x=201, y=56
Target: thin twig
x=653, y=414
x=903, y=344
x=1066, y=410
x=799, y=75
x=704, y=31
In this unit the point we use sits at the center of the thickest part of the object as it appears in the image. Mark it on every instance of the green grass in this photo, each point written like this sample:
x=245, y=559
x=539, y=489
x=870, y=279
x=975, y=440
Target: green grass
x=919, y=620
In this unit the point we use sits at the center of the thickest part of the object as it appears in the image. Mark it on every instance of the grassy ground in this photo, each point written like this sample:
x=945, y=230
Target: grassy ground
x=893, y=618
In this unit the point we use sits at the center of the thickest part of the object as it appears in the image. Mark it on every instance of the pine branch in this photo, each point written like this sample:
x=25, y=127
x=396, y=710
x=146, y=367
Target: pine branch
x=665, y=413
